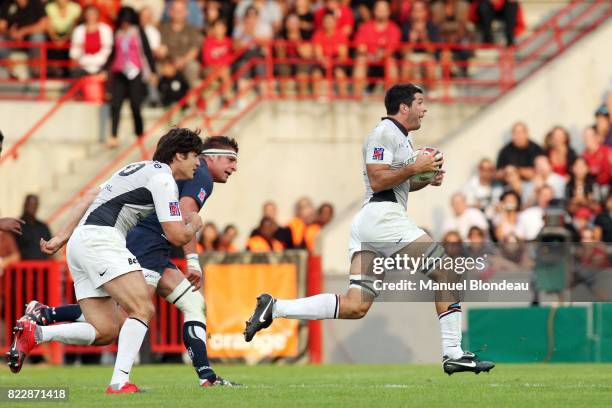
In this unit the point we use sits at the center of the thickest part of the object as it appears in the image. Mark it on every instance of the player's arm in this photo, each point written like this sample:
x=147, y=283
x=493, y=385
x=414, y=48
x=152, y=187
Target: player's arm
x=11, y=225
x=194, y=270
x=383, y=177
x=165, y=198
x=54, y=244
x=181, y=232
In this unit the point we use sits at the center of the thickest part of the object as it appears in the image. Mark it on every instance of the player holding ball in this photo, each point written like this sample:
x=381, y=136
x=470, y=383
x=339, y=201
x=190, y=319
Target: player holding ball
x=392, y=169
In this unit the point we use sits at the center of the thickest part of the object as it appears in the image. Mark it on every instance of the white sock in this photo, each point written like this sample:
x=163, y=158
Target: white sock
x=130, y=339
x=317, y=307
x=450, y=329
x=70, y=333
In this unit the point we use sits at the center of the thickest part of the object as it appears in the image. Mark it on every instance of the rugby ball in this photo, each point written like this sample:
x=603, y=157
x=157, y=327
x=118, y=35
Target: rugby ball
x=427, y=175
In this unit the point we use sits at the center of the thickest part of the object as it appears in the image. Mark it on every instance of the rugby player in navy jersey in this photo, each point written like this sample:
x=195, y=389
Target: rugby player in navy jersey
x=148, y=243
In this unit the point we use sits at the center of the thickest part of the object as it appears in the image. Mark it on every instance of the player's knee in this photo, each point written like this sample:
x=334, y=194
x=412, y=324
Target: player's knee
x=142, y=309
x=359, y=310
x=107, y=335
x=189, y=302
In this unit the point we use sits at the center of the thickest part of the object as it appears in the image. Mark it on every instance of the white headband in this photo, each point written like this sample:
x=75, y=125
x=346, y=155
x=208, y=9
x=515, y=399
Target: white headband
x=219, y=152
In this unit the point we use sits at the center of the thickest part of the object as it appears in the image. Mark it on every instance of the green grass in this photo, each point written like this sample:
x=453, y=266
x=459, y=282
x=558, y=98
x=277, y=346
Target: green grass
x=175, y=386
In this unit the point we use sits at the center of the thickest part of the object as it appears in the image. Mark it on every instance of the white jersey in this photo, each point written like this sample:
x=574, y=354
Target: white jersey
x=388, y=143
x=133, y=193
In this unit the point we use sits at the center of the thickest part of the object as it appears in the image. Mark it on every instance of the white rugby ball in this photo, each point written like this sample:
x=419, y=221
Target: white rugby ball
x=427, y=175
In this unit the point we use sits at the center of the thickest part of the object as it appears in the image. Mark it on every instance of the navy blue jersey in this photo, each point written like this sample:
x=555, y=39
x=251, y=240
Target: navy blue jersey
x=147, y=240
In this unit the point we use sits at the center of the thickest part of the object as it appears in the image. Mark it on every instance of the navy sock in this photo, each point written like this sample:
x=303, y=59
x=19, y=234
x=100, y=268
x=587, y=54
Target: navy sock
x=65, y=313
x=194, y=337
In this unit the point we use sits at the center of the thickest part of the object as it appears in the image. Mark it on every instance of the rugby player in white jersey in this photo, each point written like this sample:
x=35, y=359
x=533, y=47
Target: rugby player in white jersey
x=382, y=227
x=106, y=274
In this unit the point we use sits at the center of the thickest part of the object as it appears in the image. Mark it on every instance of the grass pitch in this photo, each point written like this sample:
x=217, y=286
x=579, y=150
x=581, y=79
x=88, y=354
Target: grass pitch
x=175, y=386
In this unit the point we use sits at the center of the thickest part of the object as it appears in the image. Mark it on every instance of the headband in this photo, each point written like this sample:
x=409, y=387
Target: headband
x=219, y=152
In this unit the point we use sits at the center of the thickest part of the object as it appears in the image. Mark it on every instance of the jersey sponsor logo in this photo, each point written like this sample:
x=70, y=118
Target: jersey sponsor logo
x=175, y=209
x=202, y=194
x=379, y=153
x=132, y=261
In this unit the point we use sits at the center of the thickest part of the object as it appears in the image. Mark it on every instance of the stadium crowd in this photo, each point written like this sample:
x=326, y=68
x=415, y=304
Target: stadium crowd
x=508, y=198
x=163, y=48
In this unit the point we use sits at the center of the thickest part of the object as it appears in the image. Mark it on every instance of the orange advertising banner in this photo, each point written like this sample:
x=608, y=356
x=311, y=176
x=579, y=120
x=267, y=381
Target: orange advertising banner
x=231, y=291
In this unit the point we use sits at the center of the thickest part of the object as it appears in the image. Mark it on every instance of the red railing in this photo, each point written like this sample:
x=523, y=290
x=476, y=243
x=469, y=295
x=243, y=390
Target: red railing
x=49, y=282
x=40, y=64
x=13, y=151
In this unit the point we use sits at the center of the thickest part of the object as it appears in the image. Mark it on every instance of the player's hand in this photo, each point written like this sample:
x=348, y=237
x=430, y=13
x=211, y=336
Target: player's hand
x=194, y=271
x=427, y=162
x=438, y=178
x=52, y=246
x=11, y=225
x=194, y=220
x=194, y=277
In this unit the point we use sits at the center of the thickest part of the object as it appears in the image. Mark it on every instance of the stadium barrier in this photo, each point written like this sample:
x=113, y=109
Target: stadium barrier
x=231, y=283
x=581, y=333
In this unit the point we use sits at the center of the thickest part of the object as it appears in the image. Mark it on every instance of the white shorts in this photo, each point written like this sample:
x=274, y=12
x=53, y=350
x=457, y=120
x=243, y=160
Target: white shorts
x=97, y=255
x=382, y=227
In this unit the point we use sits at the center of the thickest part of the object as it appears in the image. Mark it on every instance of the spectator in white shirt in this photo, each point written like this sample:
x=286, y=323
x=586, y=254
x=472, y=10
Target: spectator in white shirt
x=481, y=190
x=545, y=176
x=464, y=217
x=91, y=44
x=269, y=11
x=531, y=220
x=506, y=219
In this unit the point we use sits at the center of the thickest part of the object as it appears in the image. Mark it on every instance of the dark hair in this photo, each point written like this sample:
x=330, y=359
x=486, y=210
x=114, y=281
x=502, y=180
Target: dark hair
x=512, y=193
x=477, y=230
x=325, y=205
x=127, y=14
x=1, y=136
x=548, y=137
x=329, y=12
x=220, y=142
x=398, y=94
x=265, y=220
x=177, y=140
x=228, y=227
x=219, y=20
x=251, y=9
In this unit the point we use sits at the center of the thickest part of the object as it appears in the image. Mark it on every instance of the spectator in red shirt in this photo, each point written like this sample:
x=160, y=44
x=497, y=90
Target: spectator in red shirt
x=598, y=157
x=559, y=151
x=345, y=20
x=331, y=52
x=377, y=41
x=217, y=56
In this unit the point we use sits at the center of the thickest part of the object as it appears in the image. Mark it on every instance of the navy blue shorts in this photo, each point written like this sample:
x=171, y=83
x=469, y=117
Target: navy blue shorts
x=150, y=248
